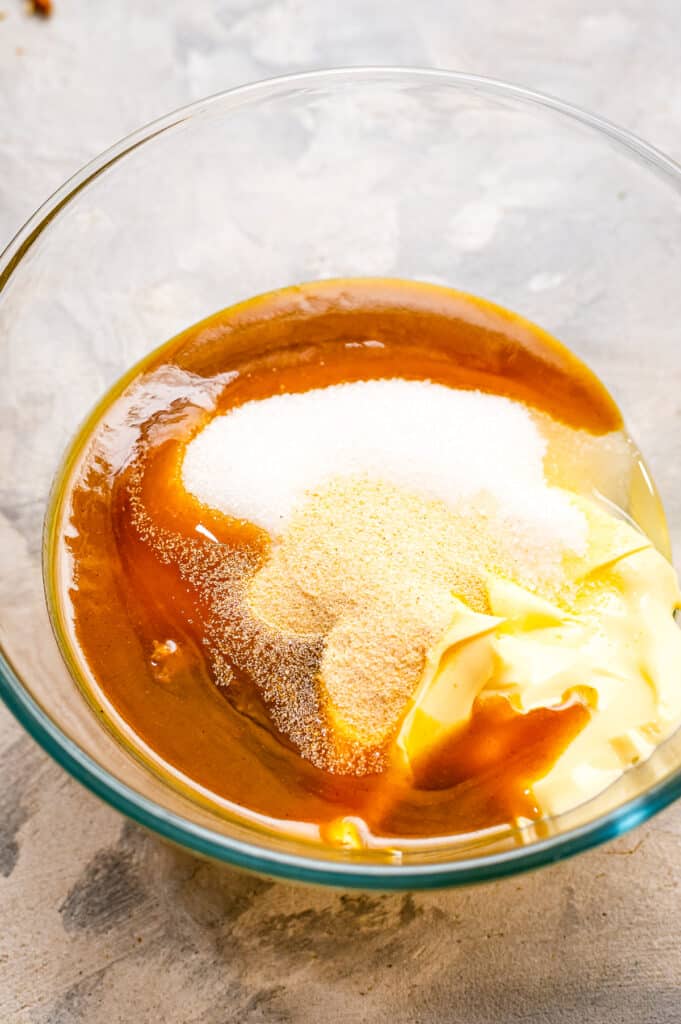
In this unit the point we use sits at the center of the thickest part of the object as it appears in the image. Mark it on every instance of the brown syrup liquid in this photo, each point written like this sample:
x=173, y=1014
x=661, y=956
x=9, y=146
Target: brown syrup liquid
x=145, y=560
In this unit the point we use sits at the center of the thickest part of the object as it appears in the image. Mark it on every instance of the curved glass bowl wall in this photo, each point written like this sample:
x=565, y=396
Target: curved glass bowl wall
x=418, y=174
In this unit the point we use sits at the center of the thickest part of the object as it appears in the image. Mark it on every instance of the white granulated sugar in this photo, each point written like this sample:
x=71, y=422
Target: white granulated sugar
x=258, y=461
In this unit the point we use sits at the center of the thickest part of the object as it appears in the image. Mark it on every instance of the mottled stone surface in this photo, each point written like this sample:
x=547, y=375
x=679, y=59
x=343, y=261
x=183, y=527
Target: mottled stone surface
x=101, y=923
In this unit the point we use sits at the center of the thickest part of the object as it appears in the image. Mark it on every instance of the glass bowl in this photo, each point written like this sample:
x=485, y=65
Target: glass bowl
x=446, y=177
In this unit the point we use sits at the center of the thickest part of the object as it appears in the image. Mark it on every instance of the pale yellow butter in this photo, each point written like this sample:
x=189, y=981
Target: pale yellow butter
x=609, y=626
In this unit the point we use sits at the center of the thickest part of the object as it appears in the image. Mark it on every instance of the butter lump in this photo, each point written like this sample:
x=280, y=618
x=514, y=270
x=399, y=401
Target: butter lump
x=609, y=627
x=457, y=669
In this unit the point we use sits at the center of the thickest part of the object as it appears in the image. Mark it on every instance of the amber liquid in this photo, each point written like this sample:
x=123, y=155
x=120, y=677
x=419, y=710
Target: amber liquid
x=135, y=614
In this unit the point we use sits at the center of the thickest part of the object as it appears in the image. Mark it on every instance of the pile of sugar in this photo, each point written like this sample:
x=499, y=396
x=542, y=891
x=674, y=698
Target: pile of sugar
x=258, y=461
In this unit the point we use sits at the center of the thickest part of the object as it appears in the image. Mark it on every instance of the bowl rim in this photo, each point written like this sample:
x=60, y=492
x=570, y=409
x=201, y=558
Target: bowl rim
x=198, y=838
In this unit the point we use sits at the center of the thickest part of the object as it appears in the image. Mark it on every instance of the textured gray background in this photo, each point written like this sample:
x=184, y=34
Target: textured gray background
x=100, y=922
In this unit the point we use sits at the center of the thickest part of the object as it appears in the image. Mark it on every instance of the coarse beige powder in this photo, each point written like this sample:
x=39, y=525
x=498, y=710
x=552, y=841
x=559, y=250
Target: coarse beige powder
x=375, y=569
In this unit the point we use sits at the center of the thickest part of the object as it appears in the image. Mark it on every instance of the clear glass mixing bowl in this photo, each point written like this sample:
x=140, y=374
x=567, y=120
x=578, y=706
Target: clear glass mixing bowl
x=492, y=189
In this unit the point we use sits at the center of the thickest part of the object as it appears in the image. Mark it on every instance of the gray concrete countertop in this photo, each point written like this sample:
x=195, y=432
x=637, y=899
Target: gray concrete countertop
x=99, y=922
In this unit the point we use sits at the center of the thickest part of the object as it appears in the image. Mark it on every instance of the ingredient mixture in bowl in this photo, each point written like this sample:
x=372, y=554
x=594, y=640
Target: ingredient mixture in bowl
x=369, y=561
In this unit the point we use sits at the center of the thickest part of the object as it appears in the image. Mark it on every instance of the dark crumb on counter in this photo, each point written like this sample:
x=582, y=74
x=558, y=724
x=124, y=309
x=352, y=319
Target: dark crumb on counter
x=42, y=7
